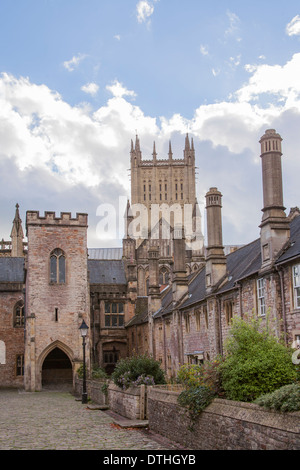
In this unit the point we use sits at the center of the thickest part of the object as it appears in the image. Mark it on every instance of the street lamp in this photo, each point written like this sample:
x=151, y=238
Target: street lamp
x=83, y=331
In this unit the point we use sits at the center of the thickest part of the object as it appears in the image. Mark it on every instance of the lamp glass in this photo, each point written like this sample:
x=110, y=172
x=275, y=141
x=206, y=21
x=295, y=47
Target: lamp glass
x=83, y=328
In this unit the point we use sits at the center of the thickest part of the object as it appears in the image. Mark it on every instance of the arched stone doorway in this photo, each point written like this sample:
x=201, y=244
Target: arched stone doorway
x=57, y=372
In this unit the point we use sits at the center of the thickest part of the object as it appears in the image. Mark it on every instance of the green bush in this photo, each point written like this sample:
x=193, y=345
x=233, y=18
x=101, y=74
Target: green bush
x=97, y=372
x=136, y=370
x=195, y=399
x=285, y=399
x=256, y=363
x=207, y=374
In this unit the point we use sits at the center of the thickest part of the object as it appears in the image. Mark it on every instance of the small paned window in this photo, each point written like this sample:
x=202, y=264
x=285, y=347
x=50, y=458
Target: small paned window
x=57, y=267
x=261, y=296
x=20, y=365
x=110, y=357
x=228, y=307
x=114, y=314
x=296, y=285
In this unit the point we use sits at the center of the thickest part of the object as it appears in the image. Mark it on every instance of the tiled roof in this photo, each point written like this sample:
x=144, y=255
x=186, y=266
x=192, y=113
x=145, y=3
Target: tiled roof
x=12, y=270
x=106, y=271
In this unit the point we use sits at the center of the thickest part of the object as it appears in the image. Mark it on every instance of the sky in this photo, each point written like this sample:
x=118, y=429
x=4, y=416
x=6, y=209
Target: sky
x=80, y=78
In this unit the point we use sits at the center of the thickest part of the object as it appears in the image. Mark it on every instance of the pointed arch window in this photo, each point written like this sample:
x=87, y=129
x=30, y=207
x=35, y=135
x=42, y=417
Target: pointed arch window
x=57, y=267
x=19, y=314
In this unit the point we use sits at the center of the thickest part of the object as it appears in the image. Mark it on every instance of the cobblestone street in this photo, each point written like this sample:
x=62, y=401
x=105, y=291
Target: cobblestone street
x=56, y=421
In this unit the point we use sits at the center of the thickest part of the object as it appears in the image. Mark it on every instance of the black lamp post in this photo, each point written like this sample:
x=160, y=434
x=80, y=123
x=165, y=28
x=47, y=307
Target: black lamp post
x=83, y=331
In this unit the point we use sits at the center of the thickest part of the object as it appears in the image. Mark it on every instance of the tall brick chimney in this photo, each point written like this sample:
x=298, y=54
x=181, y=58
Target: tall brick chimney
x=215, y=257
x=180, y=280
x=274, y=226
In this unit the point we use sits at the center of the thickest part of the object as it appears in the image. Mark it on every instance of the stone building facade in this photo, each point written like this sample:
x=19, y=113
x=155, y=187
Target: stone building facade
x=159, y=295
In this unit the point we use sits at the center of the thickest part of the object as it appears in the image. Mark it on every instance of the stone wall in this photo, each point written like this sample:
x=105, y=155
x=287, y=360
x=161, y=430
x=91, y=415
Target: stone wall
x=94, y=389
x=223, y=425
x=130, y=403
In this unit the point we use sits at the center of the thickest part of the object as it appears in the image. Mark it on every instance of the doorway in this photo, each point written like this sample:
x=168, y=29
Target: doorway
x=57, y=372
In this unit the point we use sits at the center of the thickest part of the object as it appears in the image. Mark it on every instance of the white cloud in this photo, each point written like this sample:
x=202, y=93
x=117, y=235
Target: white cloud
x=118, y=90
x=90, y=88
x=70, y=65
x=293, y=28
x=65, y=155
x=234, y=26
x=215, y=72
x=204, y=50
x=144, y=10
x=117, y=37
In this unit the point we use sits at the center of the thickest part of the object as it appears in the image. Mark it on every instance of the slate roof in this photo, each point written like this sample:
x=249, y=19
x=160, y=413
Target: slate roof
x=105, y=253
x=106, y=271
x=293, y=248
x=12, y=269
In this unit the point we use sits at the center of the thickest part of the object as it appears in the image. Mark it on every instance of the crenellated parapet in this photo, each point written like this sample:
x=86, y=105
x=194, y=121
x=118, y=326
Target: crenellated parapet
x=50, y=218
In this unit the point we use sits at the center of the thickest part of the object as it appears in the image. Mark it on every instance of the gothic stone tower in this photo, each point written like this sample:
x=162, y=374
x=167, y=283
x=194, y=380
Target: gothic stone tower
x=57, y=298
x=165, y=190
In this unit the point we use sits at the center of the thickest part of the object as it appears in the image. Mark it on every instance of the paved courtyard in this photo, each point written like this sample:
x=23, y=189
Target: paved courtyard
x=56, y=421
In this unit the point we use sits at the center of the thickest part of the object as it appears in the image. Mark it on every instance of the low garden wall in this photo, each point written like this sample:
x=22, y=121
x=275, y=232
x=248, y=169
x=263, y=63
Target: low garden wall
x=95, y=390
x=130, y=403
x=223, y=425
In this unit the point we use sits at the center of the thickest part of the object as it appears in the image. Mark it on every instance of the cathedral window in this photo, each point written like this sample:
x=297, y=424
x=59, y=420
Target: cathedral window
x=164, y=276
x=57, y=267
x=19, y=314
x=296, y=285
x=114, y=315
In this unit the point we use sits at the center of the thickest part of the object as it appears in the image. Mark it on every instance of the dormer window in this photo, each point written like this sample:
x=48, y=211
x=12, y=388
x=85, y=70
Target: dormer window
x=57, y=267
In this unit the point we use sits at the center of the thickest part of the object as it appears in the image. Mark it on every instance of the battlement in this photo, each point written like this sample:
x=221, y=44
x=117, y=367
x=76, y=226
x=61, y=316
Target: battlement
x=50, y=218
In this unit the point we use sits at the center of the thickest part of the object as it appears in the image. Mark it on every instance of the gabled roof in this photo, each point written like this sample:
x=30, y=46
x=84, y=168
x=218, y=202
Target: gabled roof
x=293, y=248
x=106, y=271
x=241, y=263
x=12, y=270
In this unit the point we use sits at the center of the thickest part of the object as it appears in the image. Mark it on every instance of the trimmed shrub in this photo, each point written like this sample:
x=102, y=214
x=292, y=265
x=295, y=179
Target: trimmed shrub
x=256, y=363
x=137, y=370
x=284, y=399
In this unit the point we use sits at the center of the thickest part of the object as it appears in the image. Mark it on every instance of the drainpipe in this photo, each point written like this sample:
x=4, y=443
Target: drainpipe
x=164, y=343
x=220, y=325
x=279, y=270
x=239, y=285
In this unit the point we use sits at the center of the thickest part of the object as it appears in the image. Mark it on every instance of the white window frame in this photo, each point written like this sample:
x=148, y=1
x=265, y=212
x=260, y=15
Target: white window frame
x=261, y=297
x=296, y=285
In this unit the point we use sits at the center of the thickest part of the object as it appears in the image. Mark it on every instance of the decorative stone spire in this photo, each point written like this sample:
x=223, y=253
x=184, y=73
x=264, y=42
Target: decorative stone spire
x=154, y=154
x=137, y=144
x=170, y=151
x=187, y=143
x=17, y=235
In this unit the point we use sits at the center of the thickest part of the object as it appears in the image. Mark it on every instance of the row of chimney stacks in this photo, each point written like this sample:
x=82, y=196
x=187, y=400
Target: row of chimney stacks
x=274, y=231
